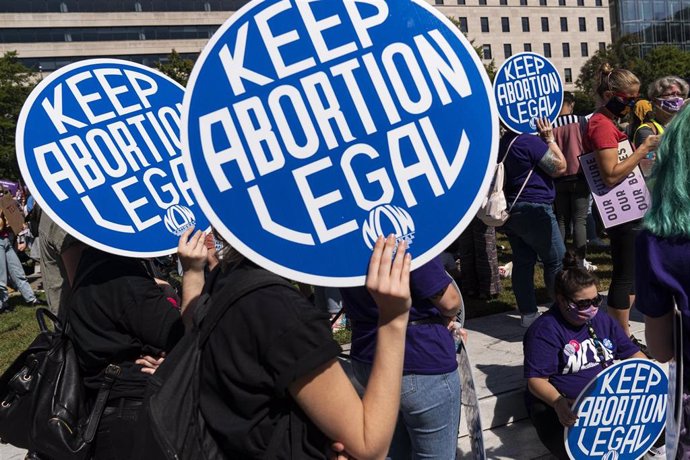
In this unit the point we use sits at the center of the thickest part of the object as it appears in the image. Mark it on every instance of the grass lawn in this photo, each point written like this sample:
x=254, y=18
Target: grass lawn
x=18, y=328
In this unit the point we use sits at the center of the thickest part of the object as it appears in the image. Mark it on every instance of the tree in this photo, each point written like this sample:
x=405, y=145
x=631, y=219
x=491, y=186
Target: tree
x=176, y=68
x=620, y=54
x=661, y=62
x=16, y=82
x=491, y=66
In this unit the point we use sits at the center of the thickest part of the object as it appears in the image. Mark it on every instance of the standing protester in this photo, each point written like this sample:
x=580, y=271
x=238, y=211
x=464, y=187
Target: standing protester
x=572, y=191
x=618, y=90
x=430, y=402
x=12, y=267
x=564, y=351
x=530, y=166
x=667, y=95
x=476, y=249
x=57, y=258
x=662, y=267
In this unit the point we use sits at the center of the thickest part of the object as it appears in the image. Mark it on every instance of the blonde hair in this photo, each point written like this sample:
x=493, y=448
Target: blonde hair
x=616, y=80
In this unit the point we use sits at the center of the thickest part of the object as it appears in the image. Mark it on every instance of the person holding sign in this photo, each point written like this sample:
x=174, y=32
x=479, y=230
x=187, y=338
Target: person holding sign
x=619, y=90
x=531, y=164
x=565, y=349
x=662, y=266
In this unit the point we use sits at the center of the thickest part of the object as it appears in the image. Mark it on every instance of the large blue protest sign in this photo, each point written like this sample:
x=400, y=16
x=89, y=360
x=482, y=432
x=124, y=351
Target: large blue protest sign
x=526, y=87
x=621, y=413
x=98, y=143
x=314, y=126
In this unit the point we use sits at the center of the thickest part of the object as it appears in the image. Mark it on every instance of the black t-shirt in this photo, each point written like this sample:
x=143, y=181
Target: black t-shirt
x=116, y=313
x=262, y=344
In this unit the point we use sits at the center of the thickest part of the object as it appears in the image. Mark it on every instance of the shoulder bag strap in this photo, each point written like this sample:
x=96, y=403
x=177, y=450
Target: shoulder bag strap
x=112, y=372
x=510, y=146
x=521, y=189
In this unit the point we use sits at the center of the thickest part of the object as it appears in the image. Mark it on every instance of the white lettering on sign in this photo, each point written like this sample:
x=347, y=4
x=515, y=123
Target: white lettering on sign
x=124, y=142
x=252, y=138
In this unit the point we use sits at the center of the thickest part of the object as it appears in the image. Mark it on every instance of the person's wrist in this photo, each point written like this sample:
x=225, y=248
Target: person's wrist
x=557, y=400
x=549, y=140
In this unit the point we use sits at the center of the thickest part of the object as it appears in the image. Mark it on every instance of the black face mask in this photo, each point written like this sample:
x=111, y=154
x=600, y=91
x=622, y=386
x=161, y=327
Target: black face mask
x=617, y=107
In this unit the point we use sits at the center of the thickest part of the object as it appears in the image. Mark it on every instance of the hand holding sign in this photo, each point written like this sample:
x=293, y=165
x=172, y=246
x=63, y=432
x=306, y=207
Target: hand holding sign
x=566, y=416
x=389, y=282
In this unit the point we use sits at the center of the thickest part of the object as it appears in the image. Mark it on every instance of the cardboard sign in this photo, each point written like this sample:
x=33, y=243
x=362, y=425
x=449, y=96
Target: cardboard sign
x=526, y=87
x=314, y=127
x=98, y=143
x=625, y=202
x=621, y=413
x=12, y=212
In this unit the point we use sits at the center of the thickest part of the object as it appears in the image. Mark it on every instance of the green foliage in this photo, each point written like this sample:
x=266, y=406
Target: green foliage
x=491, y=66
x=620, y=54
x=584, y=103
x=176, y=68
x=661, y=62
x=16, y=82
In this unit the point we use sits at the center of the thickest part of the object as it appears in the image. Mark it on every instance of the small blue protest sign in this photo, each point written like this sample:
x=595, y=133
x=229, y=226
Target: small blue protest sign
x=621, y=413
x=98, y=144
x=315, y=126
x=527, y=87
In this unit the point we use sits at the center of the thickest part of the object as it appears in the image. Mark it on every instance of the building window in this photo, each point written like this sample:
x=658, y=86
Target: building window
x=584, y=49
x=525, y=24
x=564, y=24
x=523, y=2
x=439, y=2
x=461, y=2
x=463, y=24
x=544, y=24
x=566, y=49
x=484, y=22
x=598, y=3
x=63, y=7
x=503, y=2
x=207, y=6
x=582, y=22
x=580, y=2
x=527, y=47
x=600, y=24
x=137, y=7
x=507, y=50
x=505, y=24
x=602, y=46
x=482, y=2
x=486, y=51
x=561, y=2
x=542, y=2
x=547, y=50
x=568, y=75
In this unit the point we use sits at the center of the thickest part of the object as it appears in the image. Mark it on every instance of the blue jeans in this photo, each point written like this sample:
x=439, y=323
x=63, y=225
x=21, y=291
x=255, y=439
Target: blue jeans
x=9, y=263
x=532, y=231
x=429, y=414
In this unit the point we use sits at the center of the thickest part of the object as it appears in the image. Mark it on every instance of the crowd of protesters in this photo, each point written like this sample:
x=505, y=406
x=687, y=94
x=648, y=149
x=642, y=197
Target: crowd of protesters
x=272, y=362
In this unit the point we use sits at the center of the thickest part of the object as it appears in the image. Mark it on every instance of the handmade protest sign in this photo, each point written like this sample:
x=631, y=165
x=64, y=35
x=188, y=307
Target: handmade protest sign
x=98, y=143
x=527, y=86
x=621, y=413
x=622, y=203
x=313, y=127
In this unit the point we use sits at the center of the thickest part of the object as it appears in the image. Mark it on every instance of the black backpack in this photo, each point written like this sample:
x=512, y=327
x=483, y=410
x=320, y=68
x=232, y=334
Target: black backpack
x=177, y=429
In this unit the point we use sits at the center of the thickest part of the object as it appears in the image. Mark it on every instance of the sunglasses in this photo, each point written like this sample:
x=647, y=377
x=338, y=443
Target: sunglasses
x=584, y=304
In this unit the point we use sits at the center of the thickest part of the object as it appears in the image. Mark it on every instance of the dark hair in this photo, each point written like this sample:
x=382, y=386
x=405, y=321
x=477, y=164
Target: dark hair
x=573, y=277
x=568, y=97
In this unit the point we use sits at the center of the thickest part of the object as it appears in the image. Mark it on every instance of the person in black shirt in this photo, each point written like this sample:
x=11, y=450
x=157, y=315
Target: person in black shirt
x=270, y=375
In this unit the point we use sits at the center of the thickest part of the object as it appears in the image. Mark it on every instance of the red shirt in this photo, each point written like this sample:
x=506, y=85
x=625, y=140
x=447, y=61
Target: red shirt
x=602, y=134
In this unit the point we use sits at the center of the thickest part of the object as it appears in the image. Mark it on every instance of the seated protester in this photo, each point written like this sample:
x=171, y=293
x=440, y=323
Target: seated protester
x=270, y=378
x=117, y=313
x=565, y=349
x=430, y=402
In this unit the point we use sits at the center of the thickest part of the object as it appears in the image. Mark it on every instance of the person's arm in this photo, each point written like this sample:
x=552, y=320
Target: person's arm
x=193, y=257
x=544, y=390
x=448, y=301
x=553, y=162
x=365, y=426
x=613, y=171
x=659, y=335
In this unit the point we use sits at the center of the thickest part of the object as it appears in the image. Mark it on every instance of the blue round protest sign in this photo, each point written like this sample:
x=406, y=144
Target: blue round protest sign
x=98, y=144
x=527, y=87
x=313, y=127
x=621, y=413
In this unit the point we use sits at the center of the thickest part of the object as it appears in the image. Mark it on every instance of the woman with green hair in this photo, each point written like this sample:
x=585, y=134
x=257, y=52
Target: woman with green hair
x=662, y=267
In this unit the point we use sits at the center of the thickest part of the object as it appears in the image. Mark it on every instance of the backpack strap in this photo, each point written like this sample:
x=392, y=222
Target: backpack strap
x=528, y=175
x=240, y=283
x=510, y=146
x=112, y=372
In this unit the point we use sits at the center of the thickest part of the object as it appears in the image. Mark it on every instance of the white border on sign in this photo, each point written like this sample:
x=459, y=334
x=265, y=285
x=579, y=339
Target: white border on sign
x=524, y=53
x=585, y=389
x=24, y=168
x=309, y=278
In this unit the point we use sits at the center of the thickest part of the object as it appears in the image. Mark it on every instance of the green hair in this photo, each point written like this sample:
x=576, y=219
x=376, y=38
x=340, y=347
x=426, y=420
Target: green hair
x=669, y=214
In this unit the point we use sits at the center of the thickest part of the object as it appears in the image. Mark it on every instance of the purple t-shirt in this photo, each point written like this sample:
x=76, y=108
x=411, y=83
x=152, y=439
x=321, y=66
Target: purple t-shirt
x=429, y=347
x=662, y=274
x=567, y=355
x=526, y=152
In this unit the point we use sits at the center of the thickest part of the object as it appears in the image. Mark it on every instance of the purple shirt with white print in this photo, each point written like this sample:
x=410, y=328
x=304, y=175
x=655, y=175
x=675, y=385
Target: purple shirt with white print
x=567, y=355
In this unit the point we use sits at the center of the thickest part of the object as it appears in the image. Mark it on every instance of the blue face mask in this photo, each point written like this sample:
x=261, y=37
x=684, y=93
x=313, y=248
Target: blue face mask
x=671, y=105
